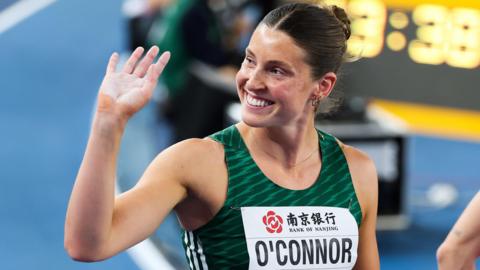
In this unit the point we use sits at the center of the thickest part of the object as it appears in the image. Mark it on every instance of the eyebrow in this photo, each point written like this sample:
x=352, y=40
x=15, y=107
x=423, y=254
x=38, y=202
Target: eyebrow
x=272, y=62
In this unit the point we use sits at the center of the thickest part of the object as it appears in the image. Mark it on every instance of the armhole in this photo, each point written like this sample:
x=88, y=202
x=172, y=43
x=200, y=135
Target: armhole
x=341, y=147
x=354, y=196
x=225, y=161
x=227, y=203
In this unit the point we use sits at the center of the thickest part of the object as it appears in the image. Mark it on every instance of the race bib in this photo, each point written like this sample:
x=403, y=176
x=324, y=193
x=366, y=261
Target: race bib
x=306, y=237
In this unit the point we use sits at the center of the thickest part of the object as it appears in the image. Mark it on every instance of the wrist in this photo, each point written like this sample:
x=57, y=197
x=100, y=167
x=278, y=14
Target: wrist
x=109, y=122
x=109, y=112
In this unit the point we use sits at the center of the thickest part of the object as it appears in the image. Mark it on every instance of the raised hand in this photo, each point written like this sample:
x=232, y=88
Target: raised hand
x=125, y=92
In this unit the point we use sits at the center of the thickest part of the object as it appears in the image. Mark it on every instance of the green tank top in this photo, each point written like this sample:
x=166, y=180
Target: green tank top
x=222, y=243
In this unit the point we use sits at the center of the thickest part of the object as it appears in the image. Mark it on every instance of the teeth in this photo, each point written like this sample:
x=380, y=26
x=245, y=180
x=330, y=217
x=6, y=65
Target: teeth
x=257, y=102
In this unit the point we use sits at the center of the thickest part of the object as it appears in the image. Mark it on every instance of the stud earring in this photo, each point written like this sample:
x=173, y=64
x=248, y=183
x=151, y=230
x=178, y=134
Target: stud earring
x=316, y=101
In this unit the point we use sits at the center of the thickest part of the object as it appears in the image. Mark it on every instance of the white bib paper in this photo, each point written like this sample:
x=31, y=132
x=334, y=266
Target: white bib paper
x=306, y=237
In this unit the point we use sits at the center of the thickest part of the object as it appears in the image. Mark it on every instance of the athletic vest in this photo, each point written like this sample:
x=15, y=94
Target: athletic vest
x=264, y=226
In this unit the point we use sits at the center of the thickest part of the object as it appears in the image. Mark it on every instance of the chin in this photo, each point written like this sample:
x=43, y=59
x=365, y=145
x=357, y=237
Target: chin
x=258, y=121
x=255, y=124
x=253, y=121
x=250, y=121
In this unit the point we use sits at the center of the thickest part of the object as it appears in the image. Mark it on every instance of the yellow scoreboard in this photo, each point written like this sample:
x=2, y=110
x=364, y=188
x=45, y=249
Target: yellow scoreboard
x=422, y=51
x=444, y=31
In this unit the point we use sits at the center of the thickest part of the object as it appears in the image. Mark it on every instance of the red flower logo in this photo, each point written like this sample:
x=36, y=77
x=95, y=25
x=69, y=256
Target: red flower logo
x=273, y=222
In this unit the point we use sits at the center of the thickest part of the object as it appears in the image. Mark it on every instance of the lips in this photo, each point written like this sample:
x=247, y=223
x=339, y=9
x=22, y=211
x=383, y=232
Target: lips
x=257, y=102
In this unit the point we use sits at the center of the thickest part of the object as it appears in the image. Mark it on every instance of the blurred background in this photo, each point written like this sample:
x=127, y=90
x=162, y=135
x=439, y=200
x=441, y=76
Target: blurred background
x=411, y=99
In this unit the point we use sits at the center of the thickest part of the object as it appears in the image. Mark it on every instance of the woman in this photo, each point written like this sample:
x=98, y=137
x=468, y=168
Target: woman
x=461, y=248
x=270, y=192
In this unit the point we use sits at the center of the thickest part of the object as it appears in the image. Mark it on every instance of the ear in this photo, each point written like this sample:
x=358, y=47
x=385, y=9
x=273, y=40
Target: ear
x=324, y=86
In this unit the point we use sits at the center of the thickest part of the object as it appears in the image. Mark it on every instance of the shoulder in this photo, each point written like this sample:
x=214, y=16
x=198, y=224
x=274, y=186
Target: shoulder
x=194, y=146
x=360, y=164
x=198, y=166
x=191, y=159
x=364, y=177
x=192, y=151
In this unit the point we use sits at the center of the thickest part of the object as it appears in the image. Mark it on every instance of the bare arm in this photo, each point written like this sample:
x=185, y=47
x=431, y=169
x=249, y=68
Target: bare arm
x=94, y=217
x=364, y=177
x=462, y=245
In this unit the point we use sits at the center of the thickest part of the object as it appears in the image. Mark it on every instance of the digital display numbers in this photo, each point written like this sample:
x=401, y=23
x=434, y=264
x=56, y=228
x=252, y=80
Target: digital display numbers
x=443, y=35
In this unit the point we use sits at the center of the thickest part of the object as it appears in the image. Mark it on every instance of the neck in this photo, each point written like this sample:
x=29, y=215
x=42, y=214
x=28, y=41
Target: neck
x=289, y=145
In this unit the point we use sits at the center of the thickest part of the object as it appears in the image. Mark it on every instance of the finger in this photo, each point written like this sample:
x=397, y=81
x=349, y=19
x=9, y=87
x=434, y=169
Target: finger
x=160, y=65
x=149, y=84
x=112, y=63
x=154, y=71
x=142, y=67
x=132, y=60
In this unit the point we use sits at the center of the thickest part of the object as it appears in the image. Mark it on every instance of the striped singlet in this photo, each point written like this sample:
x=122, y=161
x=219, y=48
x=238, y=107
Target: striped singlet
x=222, y=242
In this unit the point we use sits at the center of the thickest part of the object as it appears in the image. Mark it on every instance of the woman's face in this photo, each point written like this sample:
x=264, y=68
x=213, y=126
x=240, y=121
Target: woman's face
x=274, y=83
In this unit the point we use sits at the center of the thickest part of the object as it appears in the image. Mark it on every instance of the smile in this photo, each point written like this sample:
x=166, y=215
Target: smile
x=257, y=102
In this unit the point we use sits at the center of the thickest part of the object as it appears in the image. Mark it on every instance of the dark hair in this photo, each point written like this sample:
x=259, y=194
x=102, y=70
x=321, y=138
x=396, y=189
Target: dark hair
x=321, y=31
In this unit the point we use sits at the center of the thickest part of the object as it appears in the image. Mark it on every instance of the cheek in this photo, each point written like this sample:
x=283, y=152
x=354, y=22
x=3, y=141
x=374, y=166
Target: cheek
x=239, y=81
x=240, y=78
x=292, y=95
x=284, y=91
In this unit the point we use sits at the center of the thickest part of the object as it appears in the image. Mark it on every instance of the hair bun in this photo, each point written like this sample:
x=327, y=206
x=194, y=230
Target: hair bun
x=344, y=20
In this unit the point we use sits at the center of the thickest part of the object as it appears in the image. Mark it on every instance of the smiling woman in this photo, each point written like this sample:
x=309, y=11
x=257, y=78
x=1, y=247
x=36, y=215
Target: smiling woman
x=269, y=184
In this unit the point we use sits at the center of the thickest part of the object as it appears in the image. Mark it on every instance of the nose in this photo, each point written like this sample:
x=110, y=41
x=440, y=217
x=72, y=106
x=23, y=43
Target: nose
x=255, y=80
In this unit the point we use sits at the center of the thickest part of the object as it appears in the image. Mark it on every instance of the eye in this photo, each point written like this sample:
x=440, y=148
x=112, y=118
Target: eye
x=277, y=71
x=248, y=60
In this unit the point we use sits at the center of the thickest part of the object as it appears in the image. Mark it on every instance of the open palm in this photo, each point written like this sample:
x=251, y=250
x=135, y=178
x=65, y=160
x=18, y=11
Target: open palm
x=125, y=92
